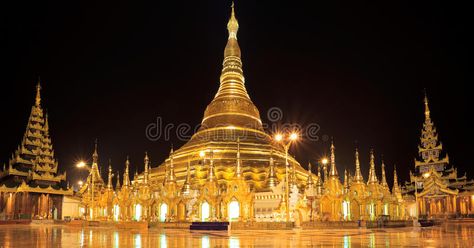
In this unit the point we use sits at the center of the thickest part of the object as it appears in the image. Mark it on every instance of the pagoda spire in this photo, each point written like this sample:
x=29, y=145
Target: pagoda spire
x=126, y=177
x=427, y=108
x=110, y=175
x=187, y=183
x=346, y=181
x=358, y=174
x=211, y=176
x=333, y=169
x=395, y=179
x=232, y=91
x=319, y=183
x=384, y=178
x=146, y=164
x=95, y=155
x=38, y=94
x=372, y=175
x=272, y=180
x=238, y=172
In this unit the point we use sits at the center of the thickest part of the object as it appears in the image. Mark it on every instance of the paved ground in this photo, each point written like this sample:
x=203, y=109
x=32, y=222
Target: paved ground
x=447, y=235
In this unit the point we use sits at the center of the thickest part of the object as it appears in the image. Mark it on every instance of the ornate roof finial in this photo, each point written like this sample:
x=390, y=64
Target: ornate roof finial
x=187, y=185
x=372, y=174
x=95, y=155
x=117, y=185
x=384, y=179
x=272, y=180
x=333, y=169
x=38, y=93
x=110, y=175
x=358, y=174
x=427, y=108
x=145, y=174
x=126, y=177
x=172, y=177
x=233, y=24
x=310, y=176
x=211, y=175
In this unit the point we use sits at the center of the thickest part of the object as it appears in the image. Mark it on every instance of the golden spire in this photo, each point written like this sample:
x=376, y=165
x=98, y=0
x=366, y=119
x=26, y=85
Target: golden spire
x=372, y=175
x=238, y=172
x=384, y=179
x=145, y=174
x=187, y=184
x=333, y=169
x=346, y=182
x=38, y=93
x=211, y=176
x=126, y=177
x=272, y=180
x=110, y=175
x=395, y=179
x=427, y=108
x=95, y=155
x=358, y=174
x=232, y=105
x=319, y=183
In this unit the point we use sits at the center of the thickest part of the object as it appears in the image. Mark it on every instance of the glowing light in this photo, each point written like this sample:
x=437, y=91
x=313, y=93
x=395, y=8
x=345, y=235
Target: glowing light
x=426, y=175
x=234, y=210
x=324, y=161
x=163, y=212
x=278, y=137
x=205, y=242
x=138, y=212
x=293, y=136
x=116, y=212
x=202, y=154
x=230, y=127
x=81, y=164
x=80, y=183
x=205, y=211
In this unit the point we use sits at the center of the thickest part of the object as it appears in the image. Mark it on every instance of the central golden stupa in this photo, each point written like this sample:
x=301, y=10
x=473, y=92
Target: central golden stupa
x=230, y=120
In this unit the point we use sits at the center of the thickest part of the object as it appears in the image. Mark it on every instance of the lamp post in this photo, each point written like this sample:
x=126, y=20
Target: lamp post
x=286, y=143
x=81, y=165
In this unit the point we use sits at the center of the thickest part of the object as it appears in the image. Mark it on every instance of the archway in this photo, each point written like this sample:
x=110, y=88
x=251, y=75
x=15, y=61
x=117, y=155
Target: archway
x=138, y=212
x=116, y=212
x=346, y=209
x=163, y=212
x=205, y=211
x=234, y=210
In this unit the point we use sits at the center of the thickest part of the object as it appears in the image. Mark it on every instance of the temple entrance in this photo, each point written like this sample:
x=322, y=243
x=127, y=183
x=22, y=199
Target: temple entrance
x=234, y=210
x=138, y=212
x=205, y=211
x=116, y=212
x=346, y=210
x=163, y=212
x=355, y=210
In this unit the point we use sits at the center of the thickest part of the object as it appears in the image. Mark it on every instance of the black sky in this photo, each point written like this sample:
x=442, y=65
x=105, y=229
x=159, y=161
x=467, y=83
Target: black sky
x=356, y=69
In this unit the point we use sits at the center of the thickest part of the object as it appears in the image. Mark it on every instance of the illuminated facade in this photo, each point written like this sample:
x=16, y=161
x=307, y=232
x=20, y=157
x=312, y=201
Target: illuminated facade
x=232, y=170
x=31, y=186
x=437, y=189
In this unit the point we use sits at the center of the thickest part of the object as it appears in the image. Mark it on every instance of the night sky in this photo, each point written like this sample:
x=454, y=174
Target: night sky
x=358, y=70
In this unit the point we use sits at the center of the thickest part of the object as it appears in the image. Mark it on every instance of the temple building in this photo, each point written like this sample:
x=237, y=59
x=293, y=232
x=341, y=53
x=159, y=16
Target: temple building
x=434, y=185
x=31, y=186
x=232, y=170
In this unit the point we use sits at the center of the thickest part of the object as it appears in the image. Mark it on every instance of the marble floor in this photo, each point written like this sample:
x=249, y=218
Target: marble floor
x=446, y=235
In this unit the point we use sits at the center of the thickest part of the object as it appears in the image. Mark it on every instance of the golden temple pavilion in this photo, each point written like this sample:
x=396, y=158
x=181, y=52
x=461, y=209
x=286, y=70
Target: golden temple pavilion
x=31, y=186
x=434, y=187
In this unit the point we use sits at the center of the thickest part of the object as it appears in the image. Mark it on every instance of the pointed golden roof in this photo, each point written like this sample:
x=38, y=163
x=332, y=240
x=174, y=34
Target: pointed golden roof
x=38, y=94
x=232, y=105
x=126, y=176
x=358, y=174
x=333, y=169
x=427, y=108
x=372, y=174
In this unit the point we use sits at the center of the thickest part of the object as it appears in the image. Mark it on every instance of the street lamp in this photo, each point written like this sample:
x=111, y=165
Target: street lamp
x=80, y=165
x=286, y=143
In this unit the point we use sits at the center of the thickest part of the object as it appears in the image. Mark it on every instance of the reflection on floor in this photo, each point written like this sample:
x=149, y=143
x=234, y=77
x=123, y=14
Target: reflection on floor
x=447, y=235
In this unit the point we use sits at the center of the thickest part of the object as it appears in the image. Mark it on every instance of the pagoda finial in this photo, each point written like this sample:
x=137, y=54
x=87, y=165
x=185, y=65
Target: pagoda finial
x=145, y=174
x=333, y=169
x=110, y=175
x=319, y=183
x=211, y=175
x=384, y=179
x=310, y=176
x=233, y=24
x=238, y=172
x=372, y=174
x=117, y=185
x=272, y=180
x=187, y=185
x=346, y=182
x=95, y=155
x=395, y=178
x=126, y=177
x=358, y=174
x=427, y=108
x=38, y=93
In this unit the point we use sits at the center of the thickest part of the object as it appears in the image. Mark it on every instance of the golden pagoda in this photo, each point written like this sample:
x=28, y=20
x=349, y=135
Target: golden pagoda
x=229, y=116
x=31, y=186
x=438, y=190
